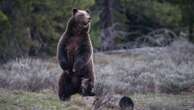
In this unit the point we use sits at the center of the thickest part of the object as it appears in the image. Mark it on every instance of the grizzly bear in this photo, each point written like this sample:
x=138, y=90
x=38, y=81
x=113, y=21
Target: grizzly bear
x=75, y=57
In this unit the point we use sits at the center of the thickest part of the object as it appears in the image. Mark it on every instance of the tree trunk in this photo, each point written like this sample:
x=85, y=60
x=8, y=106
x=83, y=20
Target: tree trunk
x=190, y=32
x=106, y=22
x=190, y=23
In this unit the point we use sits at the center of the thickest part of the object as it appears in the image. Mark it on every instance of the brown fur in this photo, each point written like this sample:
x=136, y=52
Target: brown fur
x=75, y=56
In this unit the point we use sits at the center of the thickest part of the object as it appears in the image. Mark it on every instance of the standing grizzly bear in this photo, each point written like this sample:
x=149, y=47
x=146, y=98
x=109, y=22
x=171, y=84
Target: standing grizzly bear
x=75, y=56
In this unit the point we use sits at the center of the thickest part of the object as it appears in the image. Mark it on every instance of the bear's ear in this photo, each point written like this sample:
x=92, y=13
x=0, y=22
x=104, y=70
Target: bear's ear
x=75, y=10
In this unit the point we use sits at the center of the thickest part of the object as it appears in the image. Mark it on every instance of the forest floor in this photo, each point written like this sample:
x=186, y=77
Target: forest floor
x=159, y=78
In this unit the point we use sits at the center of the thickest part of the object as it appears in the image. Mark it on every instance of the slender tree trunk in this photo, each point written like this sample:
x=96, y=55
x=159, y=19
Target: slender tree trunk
x=190, y=32
x=187, y=11
x=190, y=25
x=106, y=22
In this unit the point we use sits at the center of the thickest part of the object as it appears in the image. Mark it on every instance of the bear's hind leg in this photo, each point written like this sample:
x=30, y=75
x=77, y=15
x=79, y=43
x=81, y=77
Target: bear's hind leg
x=64, y=87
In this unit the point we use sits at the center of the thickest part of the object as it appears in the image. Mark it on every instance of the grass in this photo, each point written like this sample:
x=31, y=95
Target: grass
x=160, y=78
x=159, y=70
x=29, y=74
x=21, y=100
x=47, y=100
x=164, y=102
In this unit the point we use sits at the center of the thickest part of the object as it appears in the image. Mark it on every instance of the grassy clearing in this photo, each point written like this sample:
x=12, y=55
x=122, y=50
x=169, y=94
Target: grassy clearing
x=164, y=102
x=135, y=72
x=159, y=70
x=47, y=100
x=21, y=100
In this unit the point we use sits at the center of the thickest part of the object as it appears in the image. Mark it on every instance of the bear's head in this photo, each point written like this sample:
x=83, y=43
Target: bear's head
x=81, y=19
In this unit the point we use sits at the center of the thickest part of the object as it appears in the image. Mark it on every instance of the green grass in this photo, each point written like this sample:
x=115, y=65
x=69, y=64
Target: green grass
x=164, y=102
x=20, y=100
x=48, y=100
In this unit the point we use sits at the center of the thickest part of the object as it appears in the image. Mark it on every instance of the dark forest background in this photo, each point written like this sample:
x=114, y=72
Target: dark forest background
x=33, y=27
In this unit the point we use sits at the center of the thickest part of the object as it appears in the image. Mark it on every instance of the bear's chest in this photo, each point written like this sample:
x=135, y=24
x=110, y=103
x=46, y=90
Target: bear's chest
x=72, y=47
x=73, y=44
